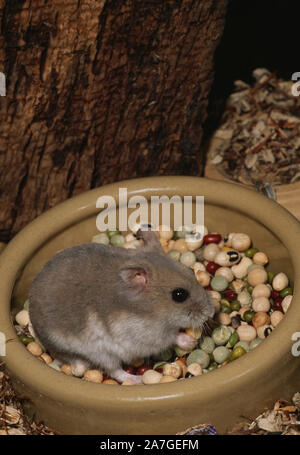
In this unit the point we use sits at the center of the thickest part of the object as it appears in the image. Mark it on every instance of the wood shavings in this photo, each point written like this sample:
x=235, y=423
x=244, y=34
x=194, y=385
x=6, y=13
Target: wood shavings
x=259, y=136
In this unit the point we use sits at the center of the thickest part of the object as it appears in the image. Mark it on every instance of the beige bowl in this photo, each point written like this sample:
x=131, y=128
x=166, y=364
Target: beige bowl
x=244, y=387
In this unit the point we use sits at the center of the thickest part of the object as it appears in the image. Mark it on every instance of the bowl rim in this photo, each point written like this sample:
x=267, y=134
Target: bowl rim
x=59, y=387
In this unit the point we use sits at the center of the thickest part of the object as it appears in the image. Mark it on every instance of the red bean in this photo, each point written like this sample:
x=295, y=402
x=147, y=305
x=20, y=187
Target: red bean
x=277, y=304
x=208, y=288
x=141, y=370
x=230, y=295
x=129, y=370
x=212, y=267
x=275, y=294
x=212, y=238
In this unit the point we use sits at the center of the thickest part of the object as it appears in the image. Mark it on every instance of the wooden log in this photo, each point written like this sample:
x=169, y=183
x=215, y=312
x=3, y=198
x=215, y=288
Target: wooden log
x=99, y=91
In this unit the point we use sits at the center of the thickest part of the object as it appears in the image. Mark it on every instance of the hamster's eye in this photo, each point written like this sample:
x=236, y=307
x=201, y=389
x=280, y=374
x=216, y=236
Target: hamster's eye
x=180, y=294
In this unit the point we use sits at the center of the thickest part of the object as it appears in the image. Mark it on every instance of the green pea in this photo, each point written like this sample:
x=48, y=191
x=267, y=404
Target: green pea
x=270, y=277
x=286, y=291
x=245, y=279
x=174, y=254
x=180, y=352
x=244, y=344
x=235, y=305
x=255, y=343
x=221, y=335
x=198, y=356
x=175, y=236
x=250, y=289
x=232, y=340
x=248, y=315
x=251, y=252
x=207, y=345
x=221, y=354
x=117, y=240
x=188, y=258
x=25, y=340
x=219, y=283
x=225, y=308
x=113, y=232
x=101, y=238
x=213, y=366
x=26, y=305
x=236, y=353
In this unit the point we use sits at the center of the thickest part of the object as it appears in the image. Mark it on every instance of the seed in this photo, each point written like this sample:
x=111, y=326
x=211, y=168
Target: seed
x=244, y=344
x=237, y=352
x=240, y=241
x=127, y=383
x=22, y=318
x=248, y=315
x=174, y=254
x=195, y=369
x=207, y=345
x=66, y=368
x=257, y=276
x=285, y=292
x=280, y=281
x=276, y=317
x=212, y=238
x=141, y=370
x=244, y=298
x=251, y=252
x=246, y=332
x=110, y=381
x=261, y=304
x=194, y=333
x=93, y=376
x=255, y=343
x=260, y=318
x=227, y=258
x=270, y=277
x=235, y=305
x=219, y=283
x=172, y=369
x=223, y=318
x=210, y=252
x=101, y=238
x=151, y=377
x=180, y=245
x=137, y=363
x=117, y=240
x=221, y=335
x=25, y=340
x=234, y=338
x=213, y=366
x=261, y=290
x=35, y=349
x=188, y=258
x=226, y=272
x=115, y=232
x=286, y=303
x=221, y=354
x=236, y=321
x=212, y=267
x=277, y=304
x=260, y=258
x=203, y=278
x=182, y=364
x=198, y=356
x=46, y=357
x=264, y=331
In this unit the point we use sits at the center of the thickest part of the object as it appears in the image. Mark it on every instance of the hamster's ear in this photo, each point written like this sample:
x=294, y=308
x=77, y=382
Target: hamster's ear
x=135, y=278
x=150, y=238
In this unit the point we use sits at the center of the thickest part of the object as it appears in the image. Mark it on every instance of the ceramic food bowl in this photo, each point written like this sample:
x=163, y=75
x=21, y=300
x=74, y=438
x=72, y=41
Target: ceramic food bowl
x=245, y=386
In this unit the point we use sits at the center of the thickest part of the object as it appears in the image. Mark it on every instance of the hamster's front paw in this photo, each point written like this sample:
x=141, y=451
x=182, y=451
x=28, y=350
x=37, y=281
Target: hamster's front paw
x=185, y=342
x=121, y=376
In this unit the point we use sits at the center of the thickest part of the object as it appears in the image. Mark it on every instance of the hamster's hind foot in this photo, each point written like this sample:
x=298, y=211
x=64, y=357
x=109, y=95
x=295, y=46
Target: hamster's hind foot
x=78, y=368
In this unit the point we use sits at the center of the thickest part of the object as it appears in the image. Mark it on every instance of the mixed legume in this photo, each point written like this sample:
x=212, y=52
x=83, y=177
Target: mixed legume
x=249, y=303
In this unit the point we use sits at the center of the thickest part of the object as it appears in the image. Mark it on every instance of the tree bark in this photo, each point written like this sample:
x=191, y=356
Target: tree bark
x=99, y=91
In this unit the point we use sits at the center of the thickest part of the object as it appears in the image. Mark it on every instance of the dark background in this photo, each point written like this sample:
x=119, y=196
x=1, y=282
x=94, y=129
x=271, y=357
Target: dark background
x=258, y=33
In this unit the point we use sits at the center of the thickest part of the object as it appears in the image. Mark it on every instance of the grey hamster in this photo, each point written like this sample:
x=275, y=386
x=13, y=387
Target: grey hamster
x=98, y=306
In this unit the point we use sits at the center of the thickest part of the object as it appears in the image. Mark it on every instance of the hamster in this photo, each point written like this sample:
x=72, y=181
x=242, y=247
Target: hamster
x=99, y=306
